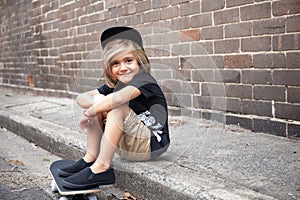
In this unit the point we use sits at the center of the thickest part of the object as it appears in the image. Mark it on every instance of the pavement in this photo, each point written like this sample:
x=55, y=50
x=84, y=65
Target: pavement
x=23, y=168
x=206, y=159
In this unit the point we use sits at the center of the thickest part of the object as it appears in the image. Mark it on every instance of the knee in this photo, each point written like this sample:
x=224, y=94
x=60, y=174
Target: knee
x=97, y=123
x=118, y=113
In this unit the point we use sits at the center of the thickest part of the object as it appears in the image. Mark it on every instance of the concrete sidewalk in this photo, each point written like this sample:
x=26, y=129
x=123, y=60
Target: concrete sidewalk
x=206, y=160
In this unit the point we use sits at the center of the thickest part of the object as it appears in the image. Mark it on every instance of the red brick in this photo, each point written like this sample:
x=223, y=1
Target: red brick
x=261, y=108
x=271, y=60
x=285, y=42
x=160, y=3
x=173, y=85
x=227, y=46
x=227, y=76
x=152, y=16
x=161, y=74
x=229, y=104
x=175, y=2
x=268, y=126
x=238, y=91
x=269, y=26
x=202, y=102
x=256, y=44
x=35, y=4
x=286, y=7
x=293, y=131
x=293, y=60
x=293, y=24
x=276, y=93
x=158, y=51
x=201, y=62
x=116, y=12
x=169, y=12
x=211, y=5
x=237, y=61
x=180, y=23
x=232, y=3
x=183, y=74
x=202, y=48
x=256, y=76
x=226, y=16
x=210, y=33
x=200, y=75
x=286, y=77
x=293, y=94
x=212, y=89
x=257, y=11
x=240, y=121
x=201, y=20
x=184, y=100
x=189, y=35
x=287, y=111
x=190, y=8
x=142, y=6
x=238, y=30
x=180, y=49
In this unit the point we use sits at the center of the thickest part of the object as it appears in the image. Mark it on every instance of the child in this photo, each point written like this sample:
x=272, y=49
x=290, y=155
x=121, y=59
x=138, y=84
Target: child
x=133, y=106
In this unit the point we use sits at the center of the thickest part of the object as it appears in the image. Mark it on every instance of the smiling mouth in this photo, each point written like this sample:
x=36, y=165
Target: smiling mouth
x=124, y=74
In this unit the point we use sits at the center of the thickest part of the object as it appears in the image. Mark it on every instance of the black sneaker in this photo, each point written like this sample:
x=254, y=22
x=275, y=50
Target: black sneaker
x=86, y=179
x=74, y=168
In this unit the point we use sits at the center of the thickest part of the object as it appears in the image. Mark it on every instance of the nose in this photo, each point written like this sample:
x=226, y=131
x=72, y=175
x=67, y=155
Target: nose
x=123, y=67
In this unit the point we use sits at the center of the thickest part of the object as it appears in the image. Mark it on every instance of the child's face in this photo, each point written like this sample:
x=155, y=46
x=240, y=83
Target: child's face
x=124, y=67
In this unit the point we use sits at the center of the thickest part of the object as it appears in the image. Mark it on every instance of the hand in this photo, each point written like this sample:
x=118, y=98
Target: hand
x=88, y=114
x=85, y=121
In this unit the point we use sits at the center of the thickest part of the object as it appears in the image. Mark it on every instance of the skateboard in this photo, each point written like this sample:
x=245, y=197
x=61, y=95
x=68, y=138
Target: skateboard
x=56, y=185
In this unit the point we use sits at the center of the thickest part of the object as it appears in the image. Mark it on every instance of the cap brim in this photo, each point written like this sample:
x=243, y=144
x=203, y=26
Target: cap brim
x=121, y=32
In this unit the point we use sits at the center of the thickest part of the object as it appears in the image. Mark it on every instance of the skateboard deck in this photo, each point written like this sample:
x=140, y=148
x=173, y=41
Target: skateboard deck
x=58, y=180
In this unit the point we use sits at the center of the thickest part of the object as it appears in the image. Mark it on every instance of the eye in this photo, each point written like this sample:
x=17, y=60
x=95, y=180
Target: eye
x=129, y=60
x=115, y=64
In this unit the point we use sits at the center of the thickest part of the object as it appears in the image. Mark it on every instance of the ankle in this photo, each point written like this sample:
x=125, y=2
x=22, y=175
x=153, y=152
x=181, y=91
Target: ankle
x=88, y=159
x=98, y=167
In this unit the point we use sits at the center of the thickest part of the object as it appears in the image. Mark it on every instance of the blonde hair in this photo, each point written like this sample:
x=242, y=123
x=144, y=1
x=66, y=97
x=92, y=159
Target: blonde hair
x=122, y=45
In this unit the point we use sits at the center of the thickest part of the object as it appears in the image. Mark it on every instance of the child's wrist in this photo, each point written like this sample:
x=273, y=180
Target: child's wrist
x=87, y=114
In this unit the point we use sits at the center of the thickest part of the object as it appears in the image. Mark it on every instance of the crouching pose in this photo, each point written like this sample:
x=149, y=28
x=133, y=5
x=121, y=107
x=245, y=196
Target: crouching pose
x=131, y=104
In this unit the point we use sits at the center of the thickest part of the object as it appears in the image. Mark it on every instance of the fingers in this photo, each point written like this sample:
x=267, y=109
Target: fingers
x=85, y=122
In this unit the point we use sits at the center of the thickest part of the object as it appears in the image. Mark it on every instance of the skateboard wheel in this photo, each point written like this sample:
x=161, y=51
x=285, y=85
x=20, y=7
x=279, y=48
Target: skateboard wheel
x=92, y=197
x=63, y=198
x=53, y=186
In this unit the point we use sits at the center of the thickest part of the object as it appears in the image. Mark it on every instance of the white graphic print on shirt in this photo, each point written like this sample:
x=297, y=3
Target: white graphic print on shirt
x=150, y=122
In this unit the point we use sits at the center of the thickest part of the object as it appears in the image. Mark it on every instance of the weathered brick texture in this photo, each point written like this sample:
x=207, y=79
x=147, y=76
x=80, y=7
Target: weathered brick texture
x=235, y=61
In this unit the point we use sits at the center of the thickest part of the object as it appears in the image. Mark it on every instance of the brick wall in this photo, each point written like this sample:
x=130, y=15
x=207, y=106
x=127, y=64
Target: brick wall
x=235, y=61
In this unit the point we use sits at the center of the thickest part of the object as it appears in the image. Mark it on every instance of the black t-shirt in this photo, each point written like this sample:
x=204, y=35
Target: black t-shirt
x=150, y=107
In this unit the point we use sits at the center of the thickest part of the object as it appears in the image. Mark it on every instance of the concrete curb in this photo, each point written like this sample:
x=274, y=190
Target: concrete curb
x=162, y=179
x=60, y=140
x=52, y=137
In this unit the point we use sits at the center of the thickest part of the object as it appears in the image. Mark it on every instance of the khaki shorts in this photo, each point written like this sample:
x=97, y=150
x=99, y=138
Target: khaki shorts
x=135, y=142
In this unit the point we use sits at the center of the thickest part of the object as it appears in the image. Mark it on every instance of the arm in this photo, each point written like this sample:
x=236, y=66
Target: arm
x=87, y=99
x=113, y=100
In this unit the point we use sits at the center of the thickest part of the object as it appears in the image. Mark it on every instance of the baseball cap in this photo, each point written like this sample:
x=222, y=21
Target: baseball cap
x=121, y=32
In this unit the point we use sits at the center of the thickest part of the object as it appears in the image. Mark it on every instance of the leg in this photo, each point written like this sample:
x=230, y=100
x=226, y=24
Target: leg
x=111, y=137
x=100, y=173
x=94, y=135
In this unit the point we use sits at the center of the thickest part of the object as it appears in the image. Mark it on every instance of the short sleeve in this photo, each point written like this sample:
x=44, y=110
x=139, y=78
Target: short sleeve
x=105, y=89
x=145, y=83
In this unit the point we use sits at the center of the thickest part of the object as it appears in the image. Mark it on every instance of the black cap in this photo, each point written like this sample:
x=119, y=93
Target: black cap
x=121, y=32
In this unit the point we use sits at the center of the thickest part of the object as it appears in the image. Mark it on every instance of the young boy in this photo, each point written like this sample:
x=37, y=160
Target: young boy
x=133, y=105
